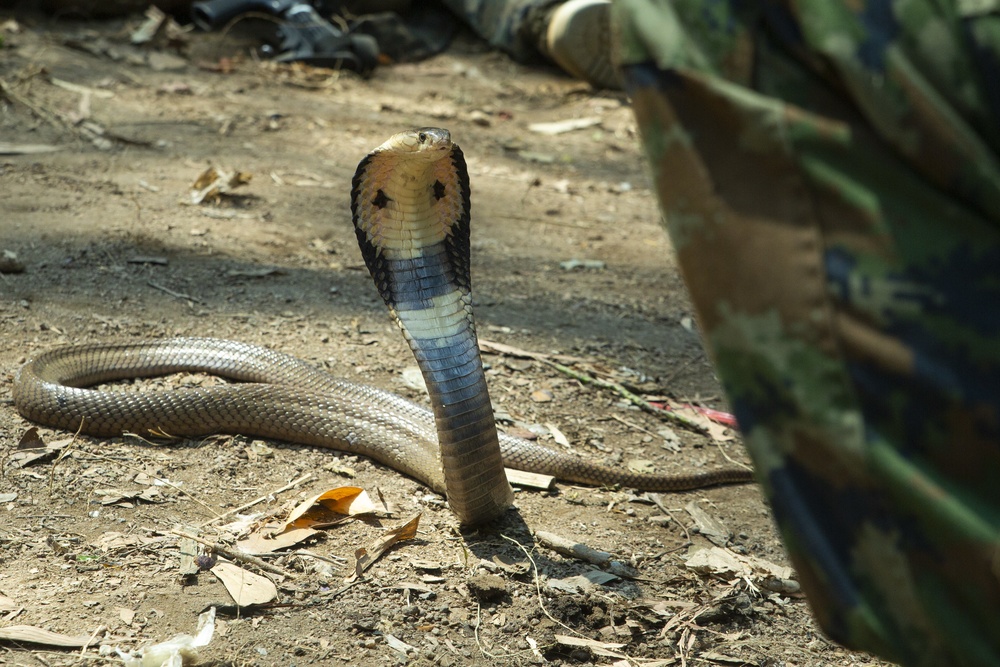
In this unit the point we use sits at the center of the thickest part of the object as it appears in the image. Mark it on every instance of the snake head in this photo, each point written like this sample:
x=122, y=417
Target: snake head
x=430, y=143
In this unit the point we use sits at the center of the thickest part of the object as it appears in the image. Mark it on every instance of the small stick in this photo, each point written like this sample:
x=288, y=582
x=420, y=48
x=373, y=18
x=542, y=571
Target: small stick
x=582, y=552
x=90, y=640
x=232, y=554
x=333, y=560
x=633, y=426
x=634, y=399
x=42, y=113
x=286, y=487
x=657, y=499
x=178, y=295
x=538, y=583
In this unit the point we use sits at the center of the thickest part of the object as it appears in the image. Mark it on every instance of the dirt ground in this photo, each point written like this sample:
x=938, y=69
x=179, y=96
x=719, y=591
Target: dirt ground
x=112, y=248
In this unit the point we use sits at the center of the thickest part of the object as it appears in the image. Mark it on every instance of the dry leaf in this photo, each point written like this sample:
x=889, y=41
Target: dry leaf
x=600, y=648
x=246, y=588
x=726, y=563
x=32, y=449
x=329, y=507
x=213, y=183
x=30, y=439
x=398, y=644
x=267, y=541
x=367, y=557
x=511, y=566
x=29, y=633
x=708, y=525
x=557, y=435
x=641, y=466
x=582, y=583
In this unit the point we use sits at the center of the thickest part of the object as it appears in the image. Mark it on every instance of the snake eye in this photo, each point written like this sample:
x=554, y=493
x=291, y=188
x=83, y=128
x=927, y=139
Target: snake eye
x=422, y=137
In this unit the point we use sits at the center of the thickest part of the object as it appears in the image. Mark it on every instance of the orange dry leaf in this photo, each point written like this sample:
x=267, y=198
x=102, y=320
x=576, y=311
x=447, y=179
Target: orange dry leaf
x=329, y=507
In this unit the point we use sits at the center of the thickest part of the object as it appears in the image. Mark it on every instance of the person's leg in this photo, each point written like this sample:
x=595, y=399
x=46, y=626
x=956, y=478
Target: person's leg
x=573, y=34
x=829, y=185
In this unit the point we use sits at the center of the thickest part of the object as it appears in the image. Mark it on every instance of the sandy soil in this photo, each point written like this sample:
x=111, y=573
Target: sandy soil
x=112, y=249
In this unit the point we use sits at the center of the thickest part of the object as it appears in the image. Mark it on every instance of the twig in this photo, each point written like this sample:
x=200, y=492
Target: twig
x=219, y=548
x=63, y=454
x=581, y=551
x=538, y=585
x=658, y=501
x=479, y=643
x=49, y=118
x=633, y=426
x=726, y=455
x=286, y=487
x=493, y=347
x=634, y=399
x=178, y=295
x=333, y=560
x=90, y=640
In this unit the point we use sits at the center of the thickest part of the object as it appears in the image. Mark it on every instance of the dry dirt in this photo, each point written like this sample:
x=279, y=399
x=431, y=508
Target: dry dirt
x=112, y=249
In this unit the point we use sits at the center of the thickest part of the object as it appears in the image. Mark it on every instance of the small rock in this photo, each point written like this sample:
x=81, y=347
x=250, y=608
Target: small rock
x=487, y=587
x=9, y=263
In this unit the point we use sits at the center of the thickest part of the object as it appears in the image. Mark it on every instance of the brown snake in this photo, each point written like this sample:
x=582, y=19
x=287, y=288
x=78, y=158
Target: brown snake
x=410, y=205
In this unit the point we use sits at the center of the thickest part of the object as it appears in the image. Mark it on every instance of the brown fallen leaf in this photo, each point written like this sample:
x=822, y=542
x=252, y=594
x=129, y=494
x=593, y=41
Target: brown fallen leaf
x=29, y=633
x=329, y=507
x=245, y=587
x=367, y=557
x=30, y=439
x=268, y=540
x=213, y=183
x=606, y=649
x=31, y=448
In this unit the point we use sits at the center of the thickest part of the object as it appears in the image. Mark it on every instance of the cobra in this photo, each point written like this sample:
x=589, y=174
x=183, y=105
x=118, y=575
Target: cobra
x=411, y=210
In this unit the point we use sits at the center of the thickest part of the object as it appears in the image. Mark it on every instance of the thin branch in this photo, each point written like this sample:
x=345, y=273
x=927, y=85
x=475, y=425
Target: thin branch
x=221, y=549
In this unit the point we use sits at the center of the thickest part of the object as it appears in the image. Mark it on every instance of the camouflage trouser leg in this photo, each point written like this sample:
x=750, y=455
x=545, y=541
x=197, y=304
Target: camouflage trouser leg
x=849, y=294
x=505, y=24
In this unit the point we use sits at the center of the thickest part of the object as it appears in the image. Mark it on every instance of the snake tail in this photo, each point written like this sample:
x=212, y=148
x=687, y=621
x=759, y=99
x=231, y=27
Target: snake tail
x=411, y=211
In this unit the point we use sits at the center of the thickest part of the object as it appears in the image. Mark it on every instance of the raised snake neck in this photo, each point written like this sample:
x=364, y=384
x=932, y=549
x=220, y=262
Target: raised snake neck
x=282, y=397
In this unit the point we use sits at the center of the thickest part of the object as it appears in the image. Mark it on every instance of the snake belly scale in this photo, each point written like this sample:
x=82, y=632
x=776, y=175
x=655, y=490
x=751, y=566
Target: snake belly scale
x=411, y=210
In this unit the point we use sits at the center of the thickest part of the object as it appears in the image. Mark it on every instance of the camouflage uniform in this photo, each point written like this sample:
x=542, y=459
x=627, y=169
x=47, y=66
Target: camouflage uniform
x=829, y=176
x=513, y=26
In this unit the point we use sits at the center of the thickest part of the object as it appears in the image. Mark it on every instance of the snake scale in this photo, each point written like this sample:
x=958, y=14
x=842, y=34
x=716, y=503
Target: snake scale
x=411, y=210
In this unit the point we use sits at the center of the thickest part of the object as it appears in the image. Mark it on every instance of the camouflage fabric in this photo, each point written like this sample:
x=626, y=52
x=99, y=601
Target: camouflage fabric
x=829, y=175
x=509, y=25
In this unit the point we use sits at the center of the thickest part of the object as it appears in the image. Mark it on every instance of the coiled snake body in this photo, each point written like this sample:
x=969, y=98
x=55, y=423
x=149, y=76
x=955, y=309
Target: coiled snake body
x=410, y=206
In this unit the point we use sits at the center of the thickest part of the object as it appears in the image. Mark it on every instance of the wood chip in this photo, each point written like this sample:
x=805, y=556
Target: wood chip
x=531, y=480
x=562, y=126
